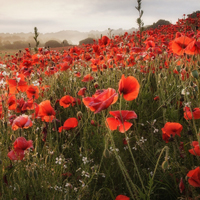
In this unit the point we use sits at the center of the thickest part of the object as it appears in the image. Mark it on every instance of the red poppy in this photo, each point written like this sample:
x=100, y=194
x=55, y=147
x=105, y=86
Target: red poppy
x=101, y=100
x=129, y=87
x=77, y=74
x=29, y=105
x=11, y=102
x=67, y=100
x=179, y=44
x=122, y=197
x=119, y=120
x=82, y=91
x=195, y=150
x=188, y=114
x=46, y=112
x=16, y=154
x=87, y=78
x=32, y=92
x=69, y=124
x=16, y=85
x=170, y=130
x=156, y=98
x=64, y=66
x=104, y=40
x=193, y=48
x=20, y=145
x=22, y=121
x=194, y=177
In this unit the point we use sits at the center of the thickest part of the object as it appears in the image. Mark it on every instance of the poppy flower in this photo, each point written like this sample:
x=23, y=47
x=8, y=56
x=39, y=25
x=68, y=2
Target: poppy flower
x=16, y=154
x=87, y=78
x=16, y=85
x=120, y=120
x=156, y=98
x=69, y=124
x=170, y=130
x=82, y=91
x=64, y=66
x=179, y=44
x=46, y=112
x=195, y=150
x=194, y=177
x=22, y=121
x=188, y=114
x=11, y=102
x=129, y=87
x=104, y=40
x=193, y=48
x=77, y=74
x=20, y=145
x=67, y=100
x=101, y=100
x=29, y=105
x=122, y=197
x=32, y=92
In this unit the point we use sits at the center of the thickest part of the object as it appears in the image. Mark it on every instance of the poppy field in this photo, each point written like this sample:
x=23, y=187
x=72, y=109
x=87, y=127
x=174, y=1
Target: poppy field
x=118, y=119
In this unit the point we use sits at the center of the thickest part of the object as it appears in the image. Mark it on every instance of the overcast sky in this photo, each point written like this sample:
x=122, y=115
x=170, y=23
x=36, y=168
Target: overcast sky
x=85, y=15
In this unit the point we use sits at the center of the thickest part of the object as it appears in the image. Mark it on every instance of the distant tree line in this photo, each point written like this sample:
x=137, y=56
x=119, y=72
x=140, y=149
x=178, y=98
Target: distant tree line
x=20, y=44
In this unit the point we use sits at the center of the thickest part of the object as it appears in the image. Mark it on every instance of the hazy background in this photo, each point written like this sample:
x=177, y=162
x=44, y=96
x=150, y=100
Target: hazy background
x=91, y=17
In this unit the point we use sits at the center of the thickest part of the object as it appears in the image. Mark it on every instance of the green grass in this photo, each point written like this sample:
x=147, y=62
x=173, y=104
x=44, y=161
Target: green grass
x=99, y=164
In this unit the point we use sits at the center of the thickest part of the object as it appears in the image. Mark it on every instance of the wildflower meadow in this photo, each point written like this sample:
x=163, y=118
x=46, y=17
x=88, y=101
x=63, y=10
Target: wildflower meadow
x=115, y=120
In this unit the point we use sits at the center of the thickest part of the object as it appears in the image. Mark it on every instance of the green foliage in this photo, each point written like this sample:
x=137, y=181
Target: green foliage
x=139, y=19
x=36, y=39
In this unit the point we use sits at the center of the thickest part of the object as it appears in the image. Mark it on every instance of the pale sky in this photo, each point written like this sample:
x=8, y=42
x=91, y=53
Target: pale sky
x=84, y=15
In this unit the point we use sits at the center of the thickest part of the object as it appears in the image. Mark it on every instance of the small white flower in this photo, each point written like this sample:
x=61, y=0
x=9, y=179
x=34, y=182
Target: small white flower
x=18, y=79
x=143, y=140
x=135, y=148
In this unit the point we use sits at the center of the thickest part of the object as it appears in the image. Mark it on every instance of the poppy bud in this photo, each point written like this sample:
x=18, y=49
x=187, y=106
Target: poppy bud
x=12, y=137
x=96, y=85
x=165, y=165
x=79, y=115
x=106, y=153
x=181, y=186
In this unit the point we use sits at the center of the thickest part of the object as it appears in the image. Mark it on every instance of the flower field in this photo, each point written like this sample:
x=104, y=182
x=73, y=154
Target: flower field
x=117, y=119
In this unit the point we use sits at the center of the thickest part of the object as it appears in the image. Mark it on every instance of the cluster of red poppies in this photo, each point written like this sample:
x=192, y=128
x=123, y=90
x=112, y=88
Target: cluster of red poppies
x=16, y=74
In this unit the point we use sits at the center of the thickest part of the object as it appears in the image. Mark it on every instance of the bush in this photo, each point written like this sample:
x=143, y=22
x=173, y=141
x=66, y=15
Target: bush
x=52, y=43
x=86, y=41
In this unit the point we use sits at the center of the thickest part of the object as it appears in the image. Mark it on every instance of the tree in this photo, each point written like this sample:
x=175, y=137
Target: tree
x=86, y=41
x=65, y=43
x=52, y=43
